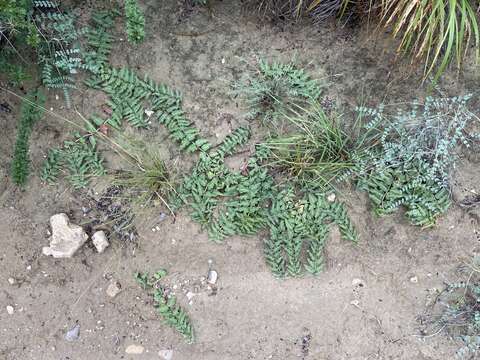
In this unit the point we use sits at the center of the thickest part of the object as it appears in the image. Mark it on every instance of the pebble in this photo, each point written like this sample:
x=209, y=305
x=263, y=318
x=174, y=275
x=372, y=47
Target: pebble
x=100, y=241
x=11, y=281
x=331, y=197
x=189, y=295
x=166, y=354
x=414, y=279
x=113, y=289
x=212, y=277
x=73, y=333
x=10, y=310
x=148, y=112
x=358, y=282
x=134, y=349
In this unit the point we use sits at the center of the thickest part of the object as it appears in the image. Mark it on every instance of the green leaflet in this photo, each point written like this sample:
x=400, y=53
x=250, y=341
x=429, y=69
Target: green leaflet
x=166, y=306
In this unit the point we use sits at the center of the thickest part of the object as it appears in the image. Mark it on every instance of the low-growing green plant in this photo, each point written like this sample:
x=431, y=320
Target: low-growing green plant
x=274, y=88
x=79, y=159
x=31, y=112
x=166, y=305
x=456, y=312
x=16, y=73
x=416, y=154
x=298, y=224
x=135, y=21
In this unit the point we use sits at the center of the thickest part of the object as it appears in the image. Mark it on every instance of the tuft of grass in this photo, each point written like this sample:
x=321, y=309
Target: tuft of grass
x=435, y=31
x=315, y=151
x=31, y=112
x=150, y=180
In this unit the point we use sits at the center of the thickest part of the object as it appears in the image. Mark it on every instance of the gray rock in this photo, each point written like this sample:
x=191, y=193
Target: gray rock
x=66, y=238
x=73, y=334
x=100, y=241
x=114, y=289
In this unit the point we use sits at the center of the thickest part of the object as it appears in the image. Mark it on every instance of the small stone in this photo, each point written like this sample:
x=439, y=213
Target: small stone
x=157, y=228
x=153, y=230
x=10, y=310
x=189, y=295
x=113, y=289
x=331, y=197
x=212, y=277
x=66, y=238
x=148, y=112
x=166, y=354
x=11, y=281
x=56, y=97
x=414, y=279
x=100, y=241
x=358, y=282
x=355, y=303
x=134, y=349
x=73, y=333
x=223, y=60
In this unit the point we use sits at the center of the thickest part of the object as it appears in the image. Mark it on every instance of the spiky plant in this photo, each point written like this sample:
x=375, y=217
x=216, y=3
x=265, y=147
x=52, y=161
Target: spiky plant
x=437, y=32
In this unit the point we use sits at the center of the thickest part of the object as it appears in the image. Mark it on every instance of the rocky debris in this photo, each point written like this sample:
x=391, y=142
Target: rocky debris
x=134, y=349
x=10, y=310
x=414, y=279
x=12, y=281
x=113, y=289
x=166, y=354
x=66, y=238
x=331, y=197
x=100, y=241
x=73, y=334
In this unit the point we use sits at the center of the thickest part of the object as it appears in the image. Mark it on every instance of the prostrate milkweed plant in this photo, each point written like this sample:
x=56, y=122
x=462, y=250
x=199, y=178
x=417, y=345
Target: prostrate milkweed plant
x=417, y=152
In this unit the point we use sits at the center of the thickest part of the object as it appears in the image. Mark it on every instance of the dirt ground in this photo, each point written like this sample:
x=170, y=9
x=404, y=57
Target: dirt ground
x=251, y=315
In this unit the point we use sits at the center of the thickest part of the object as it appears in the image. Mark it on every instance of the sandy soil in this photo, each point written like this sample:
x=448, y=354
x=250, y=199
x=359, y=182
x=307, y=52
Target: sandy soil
x=251, y=315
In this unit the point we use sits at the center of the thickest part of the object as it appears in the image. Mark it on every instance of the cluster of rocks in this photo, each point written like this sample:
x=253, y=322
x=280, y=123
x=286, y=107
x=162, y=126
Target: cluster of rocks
x=67, y=238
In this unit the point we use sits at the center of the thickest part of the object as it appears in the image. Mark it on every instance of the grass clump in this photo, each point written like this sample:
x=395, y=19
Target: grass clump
x=314, y=152
x=274, y=88
x=166, y=304
x=135, y=22
x=31, y=112
x=416, y=153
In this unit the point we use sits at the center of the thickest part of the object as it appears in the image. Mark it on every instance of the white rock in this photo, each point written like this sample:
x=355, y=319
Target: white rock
x=414, y=279
x=113, y=289
x=134, y=349
x=100, y=241
x=10, y=310
x=11, y=281
x=148, y=113
x=331, y=197
x=166, y=354
x=212, y=277
x=358, y=282
x=66, y=238
x=189, y=295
